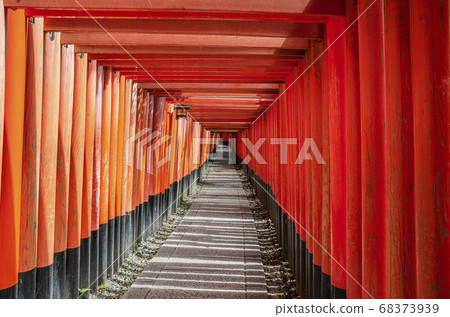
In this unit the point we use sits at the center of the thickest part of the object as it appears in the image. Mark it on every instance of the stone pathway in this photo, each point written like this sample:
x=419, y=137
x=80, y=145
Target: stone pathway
x=214, y=252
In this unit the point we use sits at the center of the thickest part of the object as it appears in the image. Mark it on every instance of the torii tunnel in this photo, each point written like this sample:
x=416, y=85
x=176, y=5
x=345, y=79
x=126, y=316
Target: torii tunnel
x=337, y=110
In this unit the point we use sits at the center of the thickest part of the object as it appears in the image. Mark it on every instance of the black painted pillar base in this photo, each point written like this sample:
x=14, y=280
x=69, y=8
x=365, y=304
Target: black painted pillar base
x=173, y=198
x=146, y=220
x=127, y=235
x=141, y=232
x=110, y=253
x=9, y=293
x=301, y=284
x=296, y=252
x=133, y=228
x=44, y=282
x=169, y=200
x=102, y=253
x=151, y=209
x=309, y=274
x=72, y=273
x=326, y=286
x=139, y=219
x=26, y=286
x=59, y=275
x=122, y=245
x=166, y=204
x=156, y=212
x=93, y=264
x=85, y=270
x=317, y=282
x=338, y=293
x=116, y=259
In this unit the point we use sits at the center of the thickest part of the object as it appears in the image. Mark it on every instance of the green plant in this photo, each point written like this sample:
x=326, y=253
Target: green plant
x=83, y=290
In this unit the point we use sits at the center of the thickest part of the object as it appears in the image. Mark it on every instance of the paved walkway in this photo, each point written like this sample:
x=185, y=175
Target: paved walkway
x=214, y=252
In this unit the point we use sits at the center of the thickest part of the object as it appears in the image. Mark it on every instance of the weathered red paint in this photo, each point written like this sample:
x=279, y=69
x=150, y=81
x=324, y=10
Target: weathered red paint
x=113, y=158
x=75, y=209
x=430, y=53
x=120, y=148
x=399, y=152
x=64, y=148
x=49, y=149
x=95, y=213
x=373, y=175
x=32, y=146
x=352, y=153
x=12, y=147
x=87, y=203
x=105, y=148
x=337, y=169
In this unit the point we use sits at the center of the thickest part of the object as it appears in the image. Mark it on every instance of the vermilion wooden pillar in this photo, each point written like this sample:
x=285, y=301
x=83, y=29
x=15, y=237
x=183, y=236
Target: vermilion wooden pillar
x=127, y=90
x=147, y=130
x=130, y=103
x=373, y=180
x=63, y=168
x=148, y=163
x=323, y=144
x=298, y=134
x=181, y=155
x=308, y=175
x=12, y=152
x=302, y=120
x=115, y=225
x=88, y=259
x=316, y=188
x=164, y=166
x=142, y=121
x=173, y=148
x=352, y=152
x=2, y=81
x=95, y=213
x=131, y=147
x=399, y=152
x=124, y=125
x=76, y=177
x=31, y=159
x=49, y=154
x=142, y=165
x=336, y=80
x=430, y=72
x=158, y=117
x=105, y=247
x=120, y=148
x=136, y=144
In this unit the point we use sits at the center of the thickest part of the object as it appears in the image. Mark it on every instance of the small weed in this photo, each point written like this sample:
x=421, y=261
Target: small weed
x=83, y=290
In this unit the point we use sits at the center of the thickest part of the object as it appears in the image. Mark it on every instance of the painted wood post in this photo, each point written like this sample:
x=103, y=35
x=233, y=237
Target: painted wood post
x=373, y=176
x=31, y=159
x=12, y=152
x=77, y=152
x=48, y=166
x=63, y=168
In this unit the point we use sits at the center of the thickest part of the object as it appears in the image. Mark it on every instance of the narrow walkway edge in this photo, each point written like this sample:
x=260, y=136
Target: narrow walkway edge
x=214, y=251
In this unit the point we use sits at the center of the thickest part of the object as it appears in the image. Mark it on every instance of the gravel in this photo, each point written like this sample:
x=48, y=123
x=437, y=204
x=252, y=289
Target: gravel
x=118, y=284
x=279, y=278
